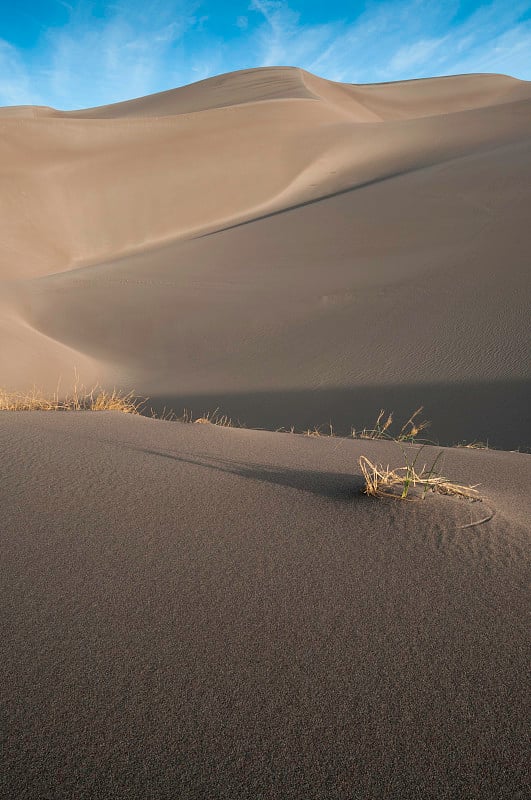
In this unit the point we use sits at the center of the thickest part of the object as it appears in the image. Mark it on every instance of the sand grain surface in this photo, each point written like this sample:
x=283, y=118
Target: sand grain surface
x=194, y=612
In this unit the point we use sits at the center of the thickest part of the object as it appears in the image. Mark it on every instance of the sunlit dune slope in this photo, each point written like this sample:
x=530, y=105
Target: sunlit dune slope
x=269, y=231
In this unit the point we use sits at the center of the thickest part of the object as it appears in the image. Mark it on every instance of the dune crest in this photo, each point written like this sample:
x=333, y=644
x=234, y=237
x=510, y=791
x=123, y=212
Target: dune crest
x=198, y=611
x=279, y=220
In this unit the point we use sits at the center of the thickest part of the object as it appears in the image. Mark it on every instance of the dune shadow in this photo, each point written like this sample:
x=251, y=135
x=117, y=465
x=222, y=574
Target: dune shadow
x=496, y=412
x=356, y=186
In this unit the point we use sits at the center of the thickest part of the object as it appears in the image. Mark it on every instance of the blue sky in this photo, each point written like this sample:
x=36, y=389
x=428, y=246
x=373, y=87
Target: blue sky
x=79, y=53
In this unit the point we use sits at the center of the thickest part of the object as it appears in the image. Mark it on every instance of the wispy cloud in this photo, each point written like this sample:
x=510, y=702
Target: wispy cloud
x=401, y=39
x=282, y=39
x=15, y=88
x=106, y=51
x=411, y=56
x=94, y=58
x=126, y=53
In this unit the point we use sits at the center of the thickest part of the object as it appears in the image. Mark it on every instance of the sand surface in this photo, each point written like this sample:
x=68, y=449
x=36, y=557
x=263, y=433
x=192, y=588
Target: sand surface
x=197, y=612
x=293, y=250
x=192, y=612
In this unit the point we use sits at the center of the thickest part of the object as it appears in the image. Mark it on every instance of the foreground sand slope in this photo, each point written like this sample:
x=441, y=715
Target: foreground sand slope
x=270, y=240
x=198, y=612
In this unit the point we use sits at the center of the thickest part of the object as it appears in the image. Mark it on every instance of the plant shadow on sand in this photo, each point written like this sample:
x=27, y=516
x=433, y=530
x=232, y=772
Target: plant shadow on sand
x=345, y=488
x=332, y=485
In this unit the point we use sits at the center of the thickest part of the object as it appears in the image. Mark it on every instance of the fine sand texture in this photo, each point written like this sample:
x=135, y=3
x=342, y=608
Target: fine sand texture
x=199, y=613
x=292, y=250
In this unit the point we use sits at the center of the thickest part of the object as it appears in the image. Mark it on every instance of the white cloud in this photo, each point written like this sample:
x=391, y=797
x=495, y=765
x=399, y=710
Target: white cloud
x=411, y=55
x=93, y=60
x=282, y=40
x=401, y=39
x=508, y=53
x=124, y=55
x=15, y=86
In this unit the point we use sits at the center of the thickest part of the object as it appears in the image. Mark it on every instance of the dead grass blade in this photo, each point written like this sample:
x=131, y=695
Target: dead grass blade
x=383, y=481
x=210, y=418
x=97, y=399
x=382, y=428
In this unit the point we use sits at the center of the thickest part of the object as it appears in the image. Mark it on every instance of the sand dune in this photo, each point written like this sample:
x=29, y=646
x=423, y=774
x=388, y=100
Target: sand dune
x=198, y=612
x=269, y=232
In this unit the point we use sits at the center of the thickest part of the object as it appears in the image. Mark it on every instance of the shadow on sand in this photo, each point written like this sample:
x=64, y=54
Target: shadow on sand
x=494, y=412
x=332, y=485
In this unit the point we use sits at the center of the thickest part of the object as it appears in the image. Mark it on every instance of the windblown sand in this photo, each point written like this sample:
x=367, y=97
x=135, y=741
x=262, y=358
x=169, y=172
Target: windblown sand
x=292, y=250
x=197, y=613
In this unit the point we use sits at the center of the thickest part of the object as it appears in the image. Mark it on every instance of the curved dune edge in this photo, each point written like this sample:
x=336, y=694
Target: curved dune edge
x=97, y=203
x=270, y=229
x=430, y=95
x=198, y=612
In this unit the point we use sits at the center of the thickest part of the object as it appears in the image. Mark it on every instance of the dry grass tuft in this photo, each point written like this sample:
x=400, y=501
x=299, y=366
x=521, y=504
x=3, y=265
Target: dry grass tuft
x=313, y=432
x=385, y=482
x=97, y=399
x=474, y=445
x=318, y=431
x=382, y=428
x=166, y=415
x=29, y=401
x=209, y=418
x=114, y=401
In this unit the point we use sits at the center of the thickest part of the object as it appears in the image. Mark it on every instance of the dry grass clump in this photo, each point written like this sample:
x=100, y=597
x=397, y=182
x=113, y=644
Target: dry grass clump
x=318, y=432
x=27, y=401
x=97, y=399
x=382, y=428
x=382, y=481
x=209, y=418
x=114, y=401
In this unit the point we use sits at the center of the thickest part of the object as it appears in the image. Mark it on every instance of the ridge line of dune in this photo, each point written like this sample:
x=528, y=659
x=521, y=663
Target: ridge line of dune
x=355, y=101
x=273, y=205
x=236, y=221
x=59, y=117
x=444, y=78
x=43, y=111
x=263, y=211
